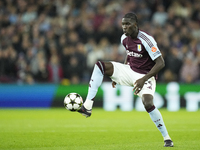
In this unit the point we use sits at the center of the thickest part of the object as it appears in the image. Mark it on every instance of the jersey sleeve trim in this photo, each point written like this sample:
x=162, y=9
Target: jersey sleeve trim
x=150, y=45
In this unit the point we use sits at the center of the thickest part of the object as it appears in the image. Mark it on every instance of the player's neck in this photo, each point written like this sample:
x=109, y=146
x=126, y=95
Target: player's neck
x=135, y=34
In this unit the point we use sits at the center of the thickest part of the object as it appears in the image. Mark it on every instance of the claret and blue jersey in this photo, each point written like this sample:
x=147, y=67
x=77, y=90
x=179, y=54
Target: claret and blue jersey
x=141, y=52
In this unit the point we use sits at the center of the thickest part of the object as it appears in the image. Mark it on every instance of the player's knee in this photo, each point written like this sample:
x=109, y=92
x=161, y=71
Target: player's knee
x=109, y=68
x=105, y=67
x=147, y=100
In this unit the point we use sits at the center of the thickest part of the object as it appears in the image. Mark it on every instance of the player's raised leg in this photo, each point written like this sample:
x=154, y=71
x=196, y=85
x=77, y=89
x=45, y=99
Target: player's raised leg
x=100, y=69
x=156, y=117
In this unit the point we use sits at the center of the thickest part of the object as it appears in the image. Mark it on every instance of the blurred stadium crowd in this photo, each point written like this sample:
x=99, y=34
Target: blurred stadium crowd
x=59, y=41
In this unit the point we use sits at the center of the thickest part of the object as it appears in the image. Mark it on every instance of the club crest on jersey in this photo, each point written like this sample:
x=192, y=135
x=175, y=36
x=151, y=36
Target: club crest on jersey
x=139, y=47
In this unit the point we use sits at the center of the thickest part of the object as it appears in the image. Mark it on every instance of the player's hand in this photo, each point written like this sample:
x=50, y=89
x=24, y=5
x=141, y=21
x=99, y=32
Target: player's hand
x=138, y=85
x=114, y=84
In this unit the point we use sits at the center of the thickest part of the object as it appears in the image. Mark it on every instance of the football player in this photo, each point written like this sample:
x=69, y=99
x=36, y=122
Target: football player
x=142, y=63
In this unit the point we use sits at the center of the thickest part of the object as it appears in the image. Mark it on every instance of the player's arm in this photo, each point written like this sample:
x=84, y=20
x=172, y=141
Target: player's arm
x=125, y=61
x=159, y=64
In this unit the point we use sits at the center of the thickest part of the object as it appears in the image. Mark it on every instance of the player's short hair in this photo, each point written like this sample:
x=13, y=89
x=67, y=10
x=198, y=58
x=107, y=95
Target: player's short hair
x=131, y=16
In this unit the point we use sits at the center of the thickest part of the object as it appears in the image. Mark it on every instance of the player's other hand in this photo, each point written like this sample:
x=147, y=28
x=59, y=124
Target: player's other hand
x=138, y=85
x=114, y=84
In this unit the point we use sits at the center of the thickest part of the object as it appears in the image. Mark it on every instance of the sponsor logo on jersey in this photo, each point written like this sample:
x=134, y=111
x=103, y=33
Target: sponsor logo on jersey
x=133, y=54
x=139, y=47
x=153, y=49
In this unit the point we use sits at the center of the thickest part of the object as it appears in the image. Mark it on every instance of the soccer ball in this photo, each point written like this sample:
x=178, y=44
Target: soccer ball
x=73, y=101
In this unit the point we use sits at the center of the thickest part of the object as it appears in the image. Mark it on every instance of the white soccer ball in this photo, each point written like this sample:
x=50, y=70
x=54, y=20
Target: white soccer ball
x=73, y=101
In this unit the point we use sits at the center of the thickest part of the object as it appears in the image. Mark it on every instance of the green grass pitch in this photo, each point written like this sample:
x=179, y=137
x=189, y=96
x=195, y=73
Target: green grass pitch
x=60, y=129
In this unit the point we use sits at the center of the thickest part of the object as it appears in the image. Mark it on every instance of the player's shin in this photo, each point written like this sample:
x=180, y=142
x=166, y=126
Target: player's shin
x=95, y=82
x=156, y=117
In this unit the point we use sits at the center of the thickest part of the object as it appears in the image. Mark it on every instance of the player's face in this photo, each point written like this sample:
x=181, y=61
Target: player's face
x=129, y=27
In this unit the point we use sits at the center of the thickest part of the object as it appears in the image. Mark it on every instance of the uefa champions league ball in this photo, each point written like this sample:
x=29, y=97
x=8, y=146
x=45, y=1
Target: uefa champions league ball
x=73, y=101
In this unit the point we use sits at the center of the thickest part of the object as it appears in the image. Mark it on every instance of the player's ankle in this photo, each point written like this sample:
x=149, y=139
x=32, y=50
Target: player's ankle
x=167, y=137
x=88, y=104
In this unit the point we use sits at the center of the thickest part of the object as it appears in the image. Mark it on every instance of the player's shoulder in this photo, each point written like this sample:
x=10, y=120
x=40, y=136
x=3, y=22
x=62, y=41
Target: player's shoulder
x=146, y=38
x=123, y=37
x=143, y=34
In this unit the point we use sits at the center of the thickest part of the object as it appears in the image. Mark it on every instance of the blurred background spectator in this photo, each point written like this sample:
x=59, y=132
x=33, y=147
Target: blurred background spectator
x=58, y=41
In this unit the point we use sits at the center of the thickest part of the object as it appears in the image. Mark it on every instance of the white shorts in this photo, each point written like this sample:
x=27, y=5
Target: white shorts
x=124, y=75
